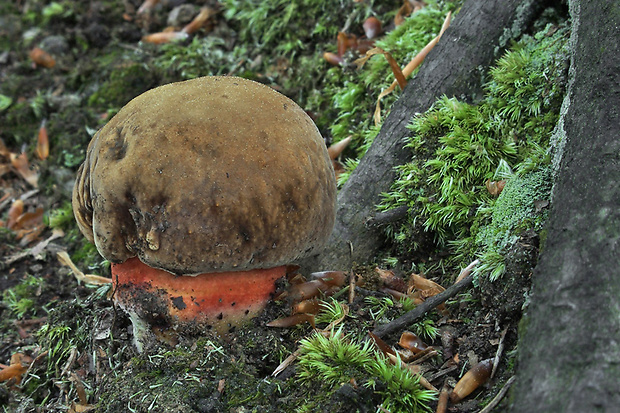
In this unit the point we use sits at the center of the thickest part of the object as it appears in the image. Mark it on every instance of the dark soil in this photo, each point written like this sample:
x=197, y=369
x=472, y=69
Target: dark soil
x=81, y=345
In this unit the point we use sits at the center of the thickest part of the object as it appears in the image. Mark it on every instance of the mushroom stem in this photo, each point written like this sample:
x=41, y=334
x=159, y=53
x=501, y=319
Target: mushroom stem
x=219, y=301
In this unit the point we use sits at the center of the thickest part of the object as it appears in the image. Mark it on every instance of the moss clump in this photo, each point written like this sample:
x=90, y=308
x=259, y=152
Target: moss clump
x=207, y=56
x=331, y=361
x=21, y=299
x=456, y=147
x=354, y=94
x=126, y=81
x=289, y=27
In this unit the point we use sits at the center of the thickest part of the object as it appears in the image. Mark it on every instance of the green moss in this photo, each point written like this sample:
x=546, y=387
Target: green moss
x=354, y=94
x=289, y=27
x=126, y=81
x=21, y=299
x=456, y=147
x=203, y=56
x=333, y=360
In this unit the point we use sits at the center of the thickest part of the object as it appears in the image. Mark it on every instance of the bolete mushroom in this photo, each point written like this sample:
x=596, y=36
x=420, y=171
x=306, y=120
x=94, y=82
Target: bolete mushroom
x=200, y=193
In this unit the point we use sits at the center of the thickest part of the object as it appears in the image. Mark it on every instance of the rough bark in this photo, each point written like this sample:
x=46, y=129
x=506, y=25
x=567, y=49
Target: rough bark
x=570, y=348
x=455, y=67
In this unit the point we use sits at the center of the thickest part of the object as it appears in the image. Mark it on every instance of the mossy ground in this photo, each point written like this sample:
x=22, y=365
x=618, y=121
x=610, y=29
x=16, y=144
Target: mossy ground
x=87, y=343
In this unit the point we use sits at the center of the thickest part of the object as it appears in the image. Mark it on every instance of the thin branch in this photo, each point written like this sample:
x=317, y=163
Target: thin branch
x=489, y=407
x=428, y=304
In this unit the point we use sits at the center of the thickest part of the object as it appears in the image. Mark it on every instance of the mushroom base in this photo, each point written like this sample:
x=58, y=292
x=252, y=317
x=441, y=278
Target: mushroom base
x=191, y=304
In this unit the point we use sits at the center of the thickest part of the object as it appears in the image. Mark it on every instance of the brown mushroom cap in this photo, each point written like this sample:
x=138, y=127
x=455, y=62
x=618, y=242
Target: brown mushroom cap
x=207, y=175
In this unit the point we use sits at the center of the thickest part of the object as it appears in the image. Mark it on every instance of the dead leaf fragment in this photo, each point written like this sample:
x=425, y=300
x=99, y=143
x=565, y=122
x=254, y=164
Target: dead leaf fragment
x=336, y=149
x=495, y=187
x=165, y=37
x=21, y=166
x=17, y=209
x=41, y=58
x=333, y=59
x=18, y=366
x=410, y=341
x=372, y=27
x=43, y=145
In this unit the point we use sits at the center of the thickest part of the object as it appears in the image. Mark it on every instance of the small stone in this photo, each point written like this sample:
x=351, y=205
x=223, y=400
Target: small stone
x=182, y=15
x=55, y=45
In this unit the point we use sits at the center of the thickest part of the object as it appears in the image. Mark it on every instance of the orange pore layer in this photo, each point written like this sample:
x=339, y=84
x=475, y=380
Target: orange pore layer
x=160, y=297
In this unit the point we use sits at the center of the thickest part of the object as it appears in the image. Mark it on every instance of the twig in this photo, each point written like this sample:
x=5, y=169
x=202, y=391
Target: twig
x=428, y=304
x=498, y=353
x=443, y=372
x=442, y=403
x=351, y=287
x=489, y=407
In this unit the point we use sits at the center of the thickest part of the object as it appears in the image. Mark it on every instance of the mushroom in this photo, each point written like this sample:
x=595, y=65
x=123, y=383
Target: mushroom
x=200, y=193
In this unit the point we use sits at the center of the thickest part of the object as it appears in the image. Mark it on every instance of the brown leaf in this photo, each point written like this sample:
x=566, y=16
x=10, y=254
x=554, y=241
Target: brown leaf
x=17, y=209
x=307, y=306
x=43, y=145
x=372, y=27
x=408, y=8
x=41, y=58
x=475, y=377
x=29, y=220
x=410, y=341
x=345, y=42
x=331, y=278
x=381, y=345
x=21, y=166
x=427, y=287
x=333, y=59
x=19, y=365
x=411, y=66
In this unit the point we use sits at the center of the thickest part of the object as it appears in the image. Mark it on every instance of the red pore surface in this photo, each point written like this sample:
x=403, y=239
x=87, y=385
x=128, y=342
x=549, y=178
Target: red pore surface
x=193, y=303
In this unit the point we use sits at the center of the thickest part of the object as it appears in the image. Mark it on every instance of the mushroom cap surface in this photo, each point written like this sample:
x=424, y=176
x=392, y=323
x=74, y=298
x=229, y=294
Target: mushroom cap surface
x=207, y=175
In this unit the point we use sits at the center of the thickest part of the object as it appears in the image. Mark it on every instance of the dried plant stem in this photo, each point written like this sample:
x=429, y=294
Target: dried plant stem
x=498, y=353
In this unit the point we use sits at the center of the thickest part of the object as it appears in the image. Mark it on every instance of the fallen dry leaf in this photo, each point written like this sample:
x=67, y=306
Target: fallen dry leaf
x=17, y=209
x=18, y=366
x=164, y=37
x=21, y=166
x=43, y=145
x=41, y=58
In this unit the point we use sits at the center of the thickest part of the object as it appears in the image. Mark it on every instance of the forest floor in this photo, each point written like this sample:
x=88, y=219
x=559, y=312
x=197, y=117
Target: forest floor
x=76, y=348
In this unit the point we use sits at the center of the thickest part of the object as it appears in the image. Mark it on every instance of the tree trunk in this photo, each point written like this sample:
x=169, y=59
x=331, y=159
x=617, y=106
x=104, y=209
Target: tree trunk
x=570, y=349
x=455, y=67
